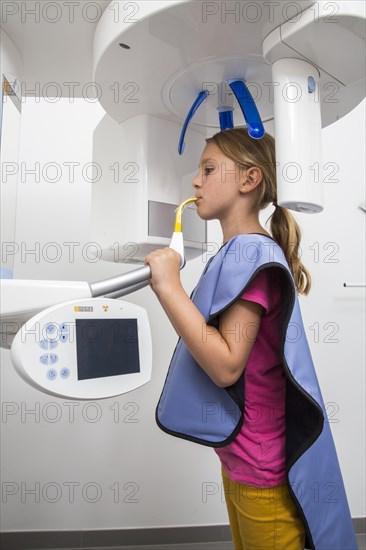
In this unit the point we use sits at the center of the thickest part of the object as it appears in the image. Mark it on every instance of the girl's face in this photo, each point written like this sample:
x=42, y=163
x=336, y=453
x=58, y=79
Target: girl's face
x=217, y=184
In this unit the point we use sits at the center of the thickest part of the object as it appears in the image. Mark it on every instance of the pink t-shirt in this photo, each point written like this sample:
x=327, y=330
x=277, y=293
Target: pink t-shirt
x=257, y=455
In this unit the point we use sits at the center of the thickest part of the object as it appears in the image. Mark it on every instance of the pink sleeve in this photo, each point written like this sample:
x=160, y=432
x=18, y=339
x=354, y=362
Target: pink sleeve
x=259, y=291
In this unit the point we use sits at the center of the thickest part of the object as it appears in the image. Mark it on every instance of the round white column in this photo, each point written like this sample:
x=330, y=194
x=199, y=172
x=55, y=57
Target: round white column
x=298, y=135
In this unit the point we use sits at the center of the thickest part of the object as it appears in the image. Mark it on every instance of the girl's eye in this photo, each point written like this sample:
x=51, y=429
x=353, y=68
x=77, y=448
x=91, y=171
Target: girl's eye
x=208, y=170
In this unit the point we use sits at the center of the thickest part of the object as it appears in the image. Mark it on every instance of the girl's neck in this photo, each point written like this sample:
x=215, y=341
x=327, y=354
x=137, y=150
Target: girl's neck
x=244, y=227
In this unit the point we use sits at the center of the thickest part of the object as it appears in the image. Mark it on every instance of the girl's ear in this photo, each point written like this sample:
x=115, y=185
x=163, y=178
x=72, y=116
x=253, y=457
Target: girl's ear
x=253, y=178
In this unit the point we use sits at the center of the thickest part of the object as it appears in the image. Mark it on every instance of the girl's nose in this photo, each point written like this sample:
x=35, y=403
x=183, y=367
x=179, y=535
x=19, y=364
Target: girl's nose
x=196, y=181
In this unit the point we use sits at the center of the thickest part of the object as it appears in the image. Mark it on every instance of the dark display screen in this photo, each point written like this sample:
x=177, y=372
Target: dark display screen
x=106, y=347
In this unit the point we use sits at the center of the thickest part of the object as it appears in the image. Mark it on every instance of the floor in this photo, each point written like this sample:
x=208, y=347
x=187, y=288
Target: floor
x=361, y=539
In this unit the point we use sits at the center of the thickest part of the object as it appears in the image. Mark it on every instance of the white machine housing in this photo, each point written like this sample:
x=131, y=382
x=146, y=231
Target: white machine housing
x=85, y=349
x=299, y=161
x=304, y=64
x=144, y=180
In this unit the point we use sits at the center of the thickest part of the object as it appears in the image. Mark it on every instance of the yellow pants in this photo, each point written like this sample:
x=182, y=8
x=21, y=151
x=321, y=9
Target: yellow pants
x=262, y=519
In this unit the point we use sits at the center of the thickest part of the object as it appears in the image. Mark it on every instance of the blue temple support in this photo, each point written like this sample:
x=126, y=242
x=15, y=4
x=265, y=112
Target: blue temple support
x=226, y=118
x=199, y=99
x=248, y=107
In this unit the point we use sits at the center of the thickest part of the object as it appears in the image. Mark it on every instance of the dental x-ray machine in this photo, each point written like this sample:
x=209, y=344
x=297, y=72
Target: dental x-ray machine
x=305, y=70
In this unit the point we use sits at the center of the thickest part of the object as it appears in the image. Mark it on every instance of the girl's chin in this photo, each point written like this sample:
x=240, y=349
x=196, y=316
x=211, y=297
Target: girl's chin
x=204, y=215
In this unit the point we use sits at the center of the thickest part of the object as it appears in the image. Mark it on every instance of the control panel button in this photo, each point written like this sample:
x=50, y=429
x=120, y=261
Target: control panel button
x=51, y=374
x=53, y=358
x=64, y=337
x=64, y=373
x=51, y=328
x=44, y=344
x=44, y=359
x=64, y=327
x=52, y=344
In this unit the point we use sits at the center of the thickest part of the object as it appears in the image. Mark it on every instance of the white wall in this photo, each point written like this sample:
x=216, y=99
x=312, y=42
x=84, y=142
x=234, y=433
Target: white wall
x=333, y=246
x=83, y=465
x=11, y=67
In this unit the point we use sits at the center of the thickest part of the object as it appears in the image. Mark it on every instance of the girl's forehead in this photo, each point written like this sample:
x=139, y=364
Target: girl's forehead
x=212, y=152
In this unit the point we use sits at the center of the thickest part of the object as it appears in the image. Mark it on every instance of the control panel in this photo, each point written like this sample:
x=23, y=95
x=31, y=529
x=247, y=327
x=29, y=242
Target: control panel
x=86, y=349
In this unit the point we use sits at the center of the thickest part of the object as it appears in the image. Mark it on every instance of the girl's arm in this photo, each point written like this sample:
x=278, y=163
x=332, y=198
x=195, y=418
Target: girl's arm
x=222, y=352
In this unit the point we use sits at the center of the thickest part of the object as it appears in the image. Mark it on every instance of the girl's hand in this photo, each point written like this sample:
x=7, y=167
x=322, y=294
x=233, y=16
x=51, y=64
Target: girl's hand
x=165, y=267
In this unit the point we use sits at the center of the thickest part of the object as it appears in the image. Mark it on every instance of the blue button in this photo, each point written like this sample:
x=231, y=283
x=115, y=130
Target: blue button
x=64, y=337
x=64, y=373
x=44, y=359
x=53, y=358
x=311, y=85
x=64, y=327
x=44, y=344
x=51, y=374
x=51, y=328
x=53, y=344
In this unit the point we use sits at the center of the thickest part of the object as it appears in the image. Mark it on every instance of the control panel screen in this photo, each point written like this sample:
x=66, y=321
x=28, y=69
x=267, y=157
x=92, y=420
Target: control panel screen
x=106, y=347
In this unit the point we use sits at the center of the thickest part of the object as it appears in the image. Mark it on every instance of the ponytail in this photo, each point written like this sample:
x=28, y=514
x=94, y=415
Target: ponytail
x=287, y=233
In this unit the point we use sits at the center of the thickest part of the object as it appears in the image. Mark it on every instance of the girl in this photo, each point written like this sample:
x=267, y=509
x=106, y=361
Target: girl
x=236, y=179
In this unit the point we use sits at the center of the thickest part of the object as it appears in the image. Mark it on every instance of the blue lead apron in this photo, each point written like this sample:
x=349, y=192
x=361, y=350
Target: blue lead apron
x=193, y=407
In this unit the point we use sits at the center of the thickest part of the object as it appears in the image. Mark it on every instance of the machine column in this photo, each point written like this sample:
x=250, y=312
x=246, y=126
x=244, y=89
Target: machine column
x=297, y=115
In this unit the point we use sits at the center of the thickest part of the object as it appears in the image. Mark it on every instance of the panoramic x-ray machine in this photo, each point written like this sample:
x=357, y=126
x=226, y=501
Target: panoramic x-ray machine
x=304, y=70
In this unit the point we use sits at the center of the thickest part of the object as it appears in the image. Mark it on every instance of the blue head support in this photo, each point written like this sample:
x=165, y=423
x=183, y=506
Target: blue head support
x=247, y=106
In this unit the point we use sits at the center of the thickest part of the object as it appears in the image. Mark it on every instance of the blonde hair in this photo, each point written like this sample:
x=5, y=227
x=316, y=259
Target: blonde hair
x=245, y=151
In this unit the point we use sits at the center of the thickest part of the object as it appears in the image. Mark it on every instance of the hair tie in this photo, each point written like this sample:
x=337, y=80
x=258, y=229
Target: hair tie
x=275, y=204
